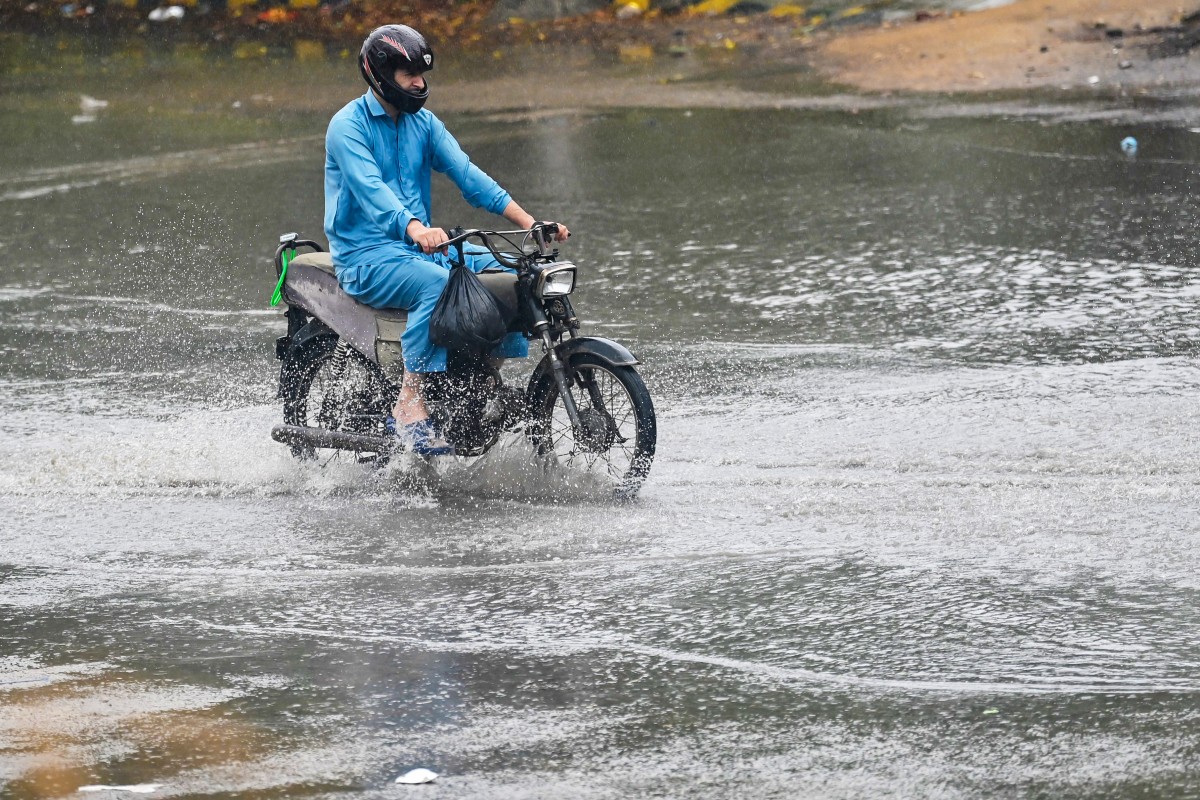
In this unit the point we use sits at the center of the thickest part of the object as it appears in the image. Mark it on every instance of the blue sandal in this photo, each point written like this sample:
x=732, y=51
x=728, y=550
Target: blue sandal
x=423, y=439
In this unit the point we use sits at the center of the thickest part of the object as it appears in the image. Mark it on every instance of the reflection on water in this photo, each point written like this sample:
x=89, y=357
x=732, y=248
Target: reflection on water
x=922, y=521
x=103, y=726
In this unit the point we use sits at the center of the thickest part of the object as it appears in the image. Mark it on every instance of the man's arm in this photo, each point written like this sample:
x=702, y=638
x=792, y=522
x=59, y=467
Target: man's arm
x=518, y=216
x=522, y=219
x=477, y=187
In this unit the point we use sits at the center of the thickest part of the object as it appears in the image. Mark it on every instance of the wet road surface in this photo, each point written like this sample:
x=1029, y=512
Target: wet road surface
x=922, y=521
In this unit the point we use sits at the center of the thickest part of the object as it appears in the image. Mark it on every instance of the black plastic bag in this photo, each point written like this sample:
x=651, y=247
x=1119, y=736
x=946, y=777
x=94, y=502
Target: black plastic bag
x=467, y=316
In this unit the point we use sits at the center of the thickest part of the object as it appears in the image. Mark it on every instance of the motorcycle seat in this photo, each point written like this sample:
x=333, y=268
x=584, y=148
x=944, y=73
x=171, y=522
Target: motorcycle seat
x=321, y=261
x=499, y=282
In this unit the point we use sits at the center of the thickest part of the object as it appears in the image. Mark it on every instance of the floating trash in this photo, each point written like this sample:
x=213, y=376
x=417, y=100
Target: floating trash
x=418, y=775
x=164, y=13
x=89, y=104
x=1129, y=145
x=137, y=788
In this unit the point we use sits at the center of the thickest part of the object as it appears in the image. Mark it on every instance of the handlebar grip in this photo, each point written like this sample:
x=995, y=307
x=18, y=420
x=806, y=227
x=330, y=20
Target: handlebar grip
x=457, y=235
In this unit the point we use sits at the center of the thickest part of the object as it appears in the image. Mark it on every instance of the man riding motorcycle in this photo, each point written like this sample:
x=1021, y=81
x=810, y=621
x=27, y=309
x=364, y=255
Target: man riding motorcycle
x=380, y=150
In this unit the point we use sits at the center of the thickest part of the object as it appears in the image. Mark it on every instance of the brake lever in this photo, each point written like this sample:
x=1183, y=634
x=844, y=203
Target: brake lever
x=543, y=234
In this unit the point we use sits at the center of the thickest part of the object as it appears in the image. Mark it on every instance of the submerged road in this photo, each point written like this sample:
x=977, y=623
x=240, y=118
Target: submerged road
x=923, y=521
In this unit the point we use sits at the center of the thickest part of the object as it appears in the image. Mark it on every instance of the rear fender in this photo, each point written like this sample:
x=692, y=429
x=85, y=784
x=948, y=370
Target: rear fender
x=287, y=347
x=310, y=331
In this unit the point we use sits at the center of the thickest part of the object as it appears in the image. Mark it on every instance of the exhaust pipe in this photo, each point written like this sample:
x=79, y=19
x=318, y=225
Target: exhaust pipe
x=336, y=440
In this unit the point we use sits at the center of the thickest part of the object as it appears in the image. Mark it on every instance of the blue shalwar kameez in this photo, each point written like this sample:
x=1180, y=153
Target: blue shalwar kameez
x=377, y=180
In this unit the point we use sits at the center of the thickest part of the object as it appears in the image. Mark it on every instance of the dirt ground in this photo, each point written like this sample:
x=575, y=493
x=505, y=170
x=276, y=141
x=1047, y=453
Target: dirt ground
x=1127, y=44
x=1115, y=47
x=1112, y=47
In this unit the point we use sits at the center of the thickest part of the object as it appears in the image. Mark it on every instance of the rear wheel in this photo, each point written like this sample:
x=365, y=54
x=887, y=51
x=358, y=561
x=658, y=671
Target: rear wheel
x=616, y=437
x=327, y=384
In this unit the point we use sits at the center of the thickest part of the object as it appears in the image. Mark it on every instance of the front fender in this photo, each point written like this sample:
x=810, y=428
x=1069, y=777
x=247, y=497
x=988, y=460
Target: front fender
x=614, y=353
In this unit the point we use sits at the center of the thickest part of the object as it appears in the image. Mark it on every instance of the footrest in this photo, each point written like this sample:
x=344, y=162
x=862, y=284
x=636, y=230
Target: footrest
x=335, y=440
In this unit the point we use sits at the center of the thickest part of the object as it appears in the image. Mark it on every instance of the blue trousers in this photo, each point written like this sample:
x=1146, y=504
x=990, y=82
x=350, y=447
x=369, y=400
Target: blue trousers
x=404, y=277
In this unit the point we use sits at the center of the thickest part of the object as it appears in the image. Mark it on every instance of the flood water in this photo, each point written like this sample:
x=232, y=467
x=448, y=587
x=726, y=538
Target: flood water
x=922, y=523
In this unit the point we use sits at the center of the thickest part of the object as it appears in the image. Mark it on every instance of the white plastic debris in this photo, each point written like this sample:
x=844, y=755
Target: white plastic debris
x=137, y=788
x=164, y=13
x=88, y=104
x=418, y=775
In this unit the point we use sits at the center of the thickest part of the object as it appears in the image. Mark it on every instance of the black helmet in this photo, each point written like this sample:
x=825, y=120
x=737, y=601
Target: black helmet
x=388, y=49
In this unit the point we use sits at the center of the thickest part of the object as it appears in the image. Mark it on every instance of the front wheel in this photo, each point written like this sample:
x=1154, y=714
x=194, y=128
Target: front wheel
x=617, y=433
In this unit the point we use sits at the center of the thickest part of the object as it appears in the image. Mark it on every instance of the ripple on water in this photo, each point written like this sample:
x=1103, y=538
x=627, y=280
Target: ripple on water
x=985, y=303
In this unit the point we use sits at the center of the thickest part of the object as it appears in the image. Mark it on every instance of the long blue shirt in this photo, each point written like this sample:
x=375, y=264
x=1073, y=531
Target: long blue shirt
x=377, y=179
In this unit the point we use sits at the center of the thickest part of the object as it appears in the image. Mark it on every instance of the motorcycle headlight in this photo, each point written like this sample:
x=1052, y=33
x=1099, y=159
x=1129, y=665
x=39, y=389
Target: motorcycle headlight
x=556, y=281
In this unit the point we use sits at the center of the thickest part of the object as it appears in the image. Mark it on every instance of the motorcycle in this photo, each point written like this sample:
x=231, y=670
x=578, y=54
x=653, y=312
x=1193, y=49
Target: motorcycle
x=584, y=405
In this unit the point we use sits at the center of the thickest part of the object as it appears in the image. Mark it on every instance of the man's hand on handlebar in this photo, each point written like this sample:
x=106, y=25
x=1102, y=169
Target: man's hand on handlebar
x=430, y=240
x=563, y=234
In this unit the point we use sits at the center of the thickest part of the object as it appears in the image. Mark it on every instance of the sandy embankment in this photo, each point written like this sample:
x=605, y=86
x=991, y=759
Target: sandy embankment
x=1031, y=43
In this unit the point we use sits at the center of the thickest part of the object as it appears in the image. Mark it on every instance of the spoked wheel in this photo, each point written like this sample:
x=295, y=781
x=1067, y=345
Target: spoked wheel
x=617, y=432
x=330, y=385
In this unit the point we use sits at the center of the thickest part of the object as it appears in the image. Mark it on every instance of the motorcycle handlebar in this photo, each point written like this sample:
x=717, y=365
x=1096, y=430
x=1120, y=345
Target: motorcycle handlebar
x=543, y=233
x=457, y=235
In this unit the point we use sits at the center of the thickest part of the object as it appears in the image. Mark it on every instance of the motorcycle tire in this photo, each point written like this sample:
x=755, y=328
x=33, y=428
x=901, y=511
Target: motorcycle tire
x=619, y=433
x=357, y=403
